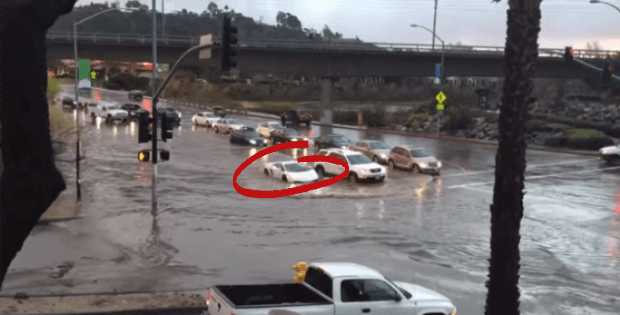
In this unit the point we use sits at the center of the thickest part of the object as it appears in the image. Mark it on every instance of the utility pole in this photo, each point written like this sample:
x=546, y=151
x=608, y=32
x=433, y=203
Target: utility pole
x=163, y=20
x=154, y=106
x=434, y=23
x=79, y=115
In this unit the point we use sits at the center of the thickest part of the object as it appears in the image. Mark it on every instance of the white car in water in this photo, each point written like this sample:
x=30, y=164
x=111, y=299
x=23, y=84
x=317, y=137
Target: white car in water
x=110, y=112
x=610, y=153
x=206, y=119
x=291, y=171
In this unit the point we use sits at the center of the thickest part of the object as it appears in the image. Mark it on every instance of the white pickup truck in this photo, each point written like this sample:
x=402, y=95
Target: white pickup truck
x=330, y=289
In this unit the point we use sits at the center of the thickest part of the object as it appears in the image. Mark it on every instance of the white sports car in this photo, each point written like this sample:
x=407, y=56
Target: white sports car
x=291, y=171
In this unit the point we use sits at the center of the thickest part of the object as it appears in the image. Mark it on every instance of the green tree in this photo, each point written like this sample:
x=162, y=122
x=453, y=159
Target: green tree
x=520, y=56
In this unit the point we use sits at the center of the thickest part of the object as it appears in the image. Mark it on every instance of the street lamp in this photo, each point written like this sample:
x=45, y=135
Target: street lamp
x=442, y=46
x=607, y=3
x=78, y=120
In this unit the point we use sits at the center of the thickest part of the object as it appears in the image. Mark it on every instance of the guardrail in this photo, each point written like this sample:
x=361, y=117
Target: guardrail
x=322, y=45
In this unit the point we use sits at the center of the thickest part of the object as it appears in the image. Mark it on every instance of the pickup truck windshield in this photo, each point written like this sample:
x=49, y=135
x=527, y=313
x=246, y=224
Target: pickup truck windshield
x=319, y=281
x=403, y=291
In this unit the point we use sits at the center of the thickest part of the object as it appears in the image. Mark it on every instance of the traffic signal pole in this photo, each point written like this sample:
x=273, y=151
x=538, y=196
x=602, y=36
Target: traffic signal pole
x=154, y=106
x=583, y=63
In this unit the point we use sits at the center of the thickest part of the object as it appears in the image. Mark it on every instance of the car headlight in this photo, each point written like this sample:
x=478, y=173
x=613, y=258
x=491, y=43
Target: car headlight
x=252, y=142
x=364, y=171
x=423, y=164
x=438, y=164
x=179, y=115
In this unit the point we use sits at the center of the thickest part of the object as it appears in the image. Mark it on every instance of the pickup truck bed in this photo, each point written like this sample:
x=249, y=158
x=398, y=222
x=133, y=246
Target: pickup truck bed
x=270, y=295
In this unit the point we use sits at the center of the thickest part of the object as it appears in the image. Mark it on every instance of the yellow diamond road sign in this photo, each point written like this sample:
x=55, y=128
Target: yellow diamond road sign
x=440, y=97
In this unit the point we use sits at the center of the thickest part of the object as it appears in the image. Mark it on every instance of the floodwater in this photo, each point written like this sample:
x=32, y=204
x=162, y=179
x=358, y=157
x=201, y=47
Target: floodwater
x=433, y=231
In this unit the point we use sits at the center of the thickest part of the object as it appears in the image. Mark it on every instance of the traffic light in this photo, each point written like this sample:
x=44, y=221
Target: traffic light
x=228, y=40
x=144, y=134
x=164, y=155
x=166, y=127
x=607, y=73
x=144, y=156
x=568, y=53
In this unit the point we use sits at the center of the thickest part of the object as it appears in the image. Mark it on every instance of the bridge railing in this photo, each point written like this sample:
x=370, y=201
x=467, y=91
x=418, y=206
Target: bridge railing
x=322, y=45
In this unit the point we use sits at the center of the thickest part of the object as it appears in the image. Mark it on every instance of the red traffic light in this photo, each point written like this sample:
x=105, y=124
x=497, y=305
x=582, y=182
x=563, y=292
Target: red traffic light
x=572, y=51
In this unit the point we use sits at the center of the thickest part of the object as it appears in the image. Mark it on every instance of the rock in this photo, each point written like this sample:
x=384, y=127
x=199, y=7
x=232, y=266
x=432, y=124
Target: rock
x=479, y=120
x=21, y=296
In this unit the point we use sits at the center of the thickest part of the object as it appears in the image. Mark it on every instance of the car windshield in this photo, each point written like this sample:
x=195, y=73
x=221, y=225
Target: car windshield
x=403, y=291
x=341, y=140
x=294, y=168
x=210, y=116
x=358, y=159
x=419, y=153
x=230, y=121
x=291, y=132
x=250, y=134
x=378, y=146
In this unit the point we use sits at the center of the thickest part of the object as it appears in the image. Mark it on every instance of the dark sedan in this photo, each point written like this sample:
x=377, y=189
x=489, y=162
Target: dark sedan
x=132, y=109
x=247, y=136
x=284, y=135
x=331, y=141
x=172, y=114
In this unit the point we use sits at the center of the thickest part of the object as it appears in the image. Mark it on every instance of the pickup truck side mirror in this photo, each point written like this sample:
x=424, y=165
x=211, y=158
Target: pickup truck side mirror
x=398, y=298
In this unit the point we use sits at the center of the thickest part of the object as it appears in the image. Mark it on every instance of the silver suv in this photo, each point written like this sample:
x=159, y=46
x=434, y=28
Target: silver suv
x=415, y=159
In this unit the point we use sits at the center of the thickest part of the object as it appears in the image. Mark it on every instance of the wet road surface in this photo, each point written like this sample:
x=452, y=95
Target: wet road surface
x=433, y=231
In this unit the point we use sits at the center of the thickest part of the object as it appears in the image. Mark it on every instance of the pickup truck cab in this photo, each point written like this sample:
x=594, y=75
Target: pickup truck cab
x=330, y=289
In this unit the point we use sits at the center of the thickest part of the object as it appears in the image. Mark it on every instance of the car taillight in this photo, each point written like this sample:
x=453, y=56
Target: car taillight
x=208, y=297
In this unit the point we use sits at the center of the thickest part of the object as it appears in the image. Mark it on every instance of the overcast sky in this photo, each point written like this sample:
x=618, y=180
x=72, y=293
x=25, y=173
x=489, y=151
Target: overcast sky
x=472, y=22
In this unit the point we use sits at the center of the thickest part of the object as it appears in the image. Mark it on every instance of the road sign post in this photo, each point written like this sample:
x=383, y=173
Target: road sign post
x=441, y=98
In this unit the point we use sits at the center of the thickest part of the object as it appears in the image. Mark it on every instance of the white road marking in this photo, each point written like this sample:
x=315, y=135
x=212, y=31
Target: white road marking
x=539, y=176
x=528, y=167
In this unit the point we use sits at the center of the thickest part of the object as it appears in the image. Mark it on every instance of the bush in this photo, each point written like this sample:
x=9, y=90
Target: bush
x=345, y=118
x=127, y=82
x=458, y=119
x=534, y=125
x=374, y=118
x=589, y=139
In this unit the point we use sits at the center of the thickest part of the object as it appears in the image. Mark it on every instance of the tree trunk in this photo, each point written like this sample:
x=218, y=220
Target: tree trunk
x=507, y=209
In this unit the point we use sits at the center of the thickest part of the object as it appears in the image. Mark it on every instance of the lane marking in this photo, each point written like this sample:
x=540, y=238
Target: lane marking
x=528, y=167
x=539, y=176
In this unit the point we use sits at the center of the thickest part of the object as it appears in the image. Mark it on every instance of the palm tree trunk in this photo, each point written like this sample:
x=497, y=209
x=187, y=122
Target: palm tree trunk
x=507, y=209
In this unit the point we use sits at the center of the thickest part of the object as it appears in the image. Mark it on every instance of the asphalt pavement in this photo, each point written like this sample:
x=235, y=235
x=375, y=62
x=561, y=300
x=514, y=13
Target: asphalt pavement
x=433, y=231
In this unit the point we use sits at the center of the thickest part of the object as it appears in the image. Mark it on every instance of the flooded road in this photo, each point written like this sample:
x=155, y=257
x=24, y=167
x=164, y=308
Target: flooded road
x=433, y=231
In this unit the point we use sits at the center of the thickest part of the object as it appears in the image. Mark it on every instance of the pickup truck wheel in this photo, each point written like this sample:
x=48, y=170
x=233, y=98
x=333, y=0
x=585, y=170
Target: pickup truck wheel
x=375, y=159
x=284, y=178
x=266, y=172
x=108, y=119
x=216, y=130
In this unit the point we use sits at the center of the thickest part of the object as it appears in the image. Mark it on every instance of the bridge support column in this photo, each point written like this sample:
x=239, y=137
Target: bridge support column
x=327, y=100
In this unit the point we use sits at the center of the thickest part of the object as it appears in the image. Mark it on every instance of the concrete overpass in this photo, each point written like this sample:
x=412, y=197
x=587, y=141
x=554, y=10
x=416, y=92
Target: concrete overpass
x=320, y=59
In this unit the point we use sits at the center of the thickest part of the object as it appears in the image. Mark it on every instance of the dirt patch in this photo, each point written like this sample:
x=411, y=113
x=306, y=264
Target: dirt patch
x=100, y=303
